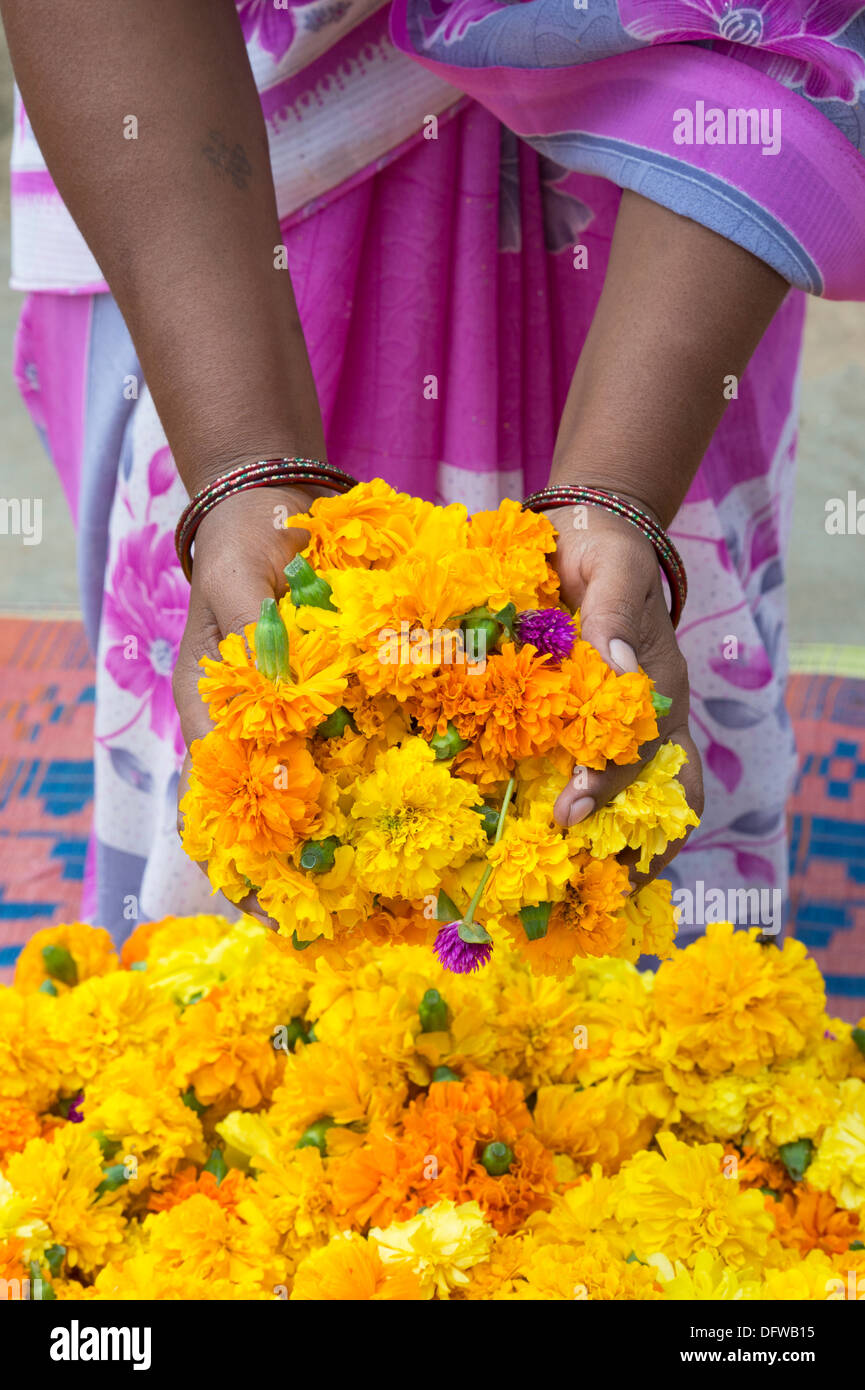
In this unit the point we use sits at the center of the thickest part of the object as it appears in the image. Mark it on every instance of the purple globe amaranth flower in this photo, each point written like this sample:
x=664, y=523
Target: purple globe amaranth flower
x=73, y=1114
x=550, y=631
x=458, y=956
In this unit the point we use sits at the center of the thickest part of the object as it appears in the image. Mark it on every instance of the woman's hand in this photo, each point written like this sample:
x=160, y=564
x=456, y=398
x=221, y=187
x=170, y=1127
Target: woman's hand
x=609, y=571
x=241, y=550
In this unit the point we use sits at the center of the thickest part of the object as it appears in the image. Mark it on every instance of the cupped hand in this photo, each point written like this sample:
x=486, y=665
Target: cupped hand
x=609, y=570
x=241, y=550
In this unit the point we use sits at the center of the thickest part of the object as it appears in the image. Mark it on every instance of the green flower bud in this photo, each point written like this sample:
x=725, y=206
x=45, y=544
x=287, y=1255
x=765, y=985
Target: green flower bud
x=271, y=642
x=433, y=1013
x=535, y=920
x=115, y=1176
x=316, y=1136
x=191, y=1099
x=295, y=1033
x=474, y=933
x=47, y=987
x=497, y=1158
x=444, y=1074
x=108, y=1146
x=138, y=965
x=60, y=965
x=317, y=856
x=448, y=744
x=796, y=1157
x=482, y=622
x=298, y=944
x=306, y=586
x=46, y=1292
x=661, y=704
x=336, y=724
x=216, y=1165
x=489, y=819
x=858, y=1037
x=54, y=1257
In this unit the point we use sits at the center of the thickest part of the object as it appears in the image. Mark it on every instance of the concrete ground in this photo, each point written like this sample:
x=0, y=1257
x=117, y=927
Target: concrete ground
x=826, y=573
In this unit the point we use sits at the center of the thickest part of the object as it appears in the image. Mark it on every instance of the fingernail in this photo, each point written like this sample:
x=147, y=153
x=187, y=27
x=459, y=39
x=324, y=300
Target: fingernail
x=623, y=655
x=580, y=809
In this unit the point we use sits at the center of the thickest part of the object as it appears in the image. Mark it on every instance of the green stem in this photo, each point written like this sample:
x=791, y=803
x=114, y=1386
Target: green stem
x=487, y=873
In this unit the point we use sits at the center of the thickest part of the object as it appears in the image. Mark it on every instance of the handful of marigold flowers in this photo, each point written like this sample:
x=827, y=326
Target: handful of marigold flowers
x=390, y=738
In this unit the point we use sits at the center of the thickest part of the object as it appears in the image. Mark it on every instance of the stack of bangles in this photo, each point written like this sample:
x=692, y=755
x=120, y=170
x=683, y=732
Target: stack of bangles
x=266, y=473
x=669, y=559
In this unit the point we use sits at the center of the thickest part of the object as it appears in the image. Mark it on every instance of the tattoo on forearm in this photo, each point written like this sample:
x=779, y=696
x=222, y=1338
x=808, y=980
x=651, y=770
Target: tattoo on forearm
x=228, y=159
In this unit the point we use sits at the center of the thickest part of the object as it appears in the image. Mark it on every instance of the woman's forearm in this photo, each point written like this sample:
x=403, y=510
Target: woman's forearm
x=681, y=310
x=181, y=218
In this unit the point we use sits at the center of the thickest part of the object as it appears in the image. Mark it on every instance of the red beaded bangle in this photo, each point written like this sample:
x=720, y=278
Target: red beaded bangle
x=264, y=473
x=567, y=495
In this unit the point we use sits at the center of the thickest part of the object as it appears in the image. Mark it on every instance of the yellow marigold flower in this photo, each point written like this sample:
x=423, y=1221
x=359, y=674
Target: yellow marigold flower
x=607, y=716
x=23, y=1233
x=325, y=1080
x=135, y=1105
x=59, y=1179
x=412, y=820
x=107, y=1016
x=814, y=1279
x=397, y=623
x=646, y=815
x=251, y=801
x=792, y=1102
x=153, y=941
x=200, y=1238
x=838, y=1166
x=710, y=1280
x=597, y=1124
x=91, y=949
x=438, y=1245
x=327, y=905
x=651, y=922
x=717, y=1106
x=32, y=1055
x=731, y=1004
x=496, y=1276
x=678, y=1202
x=530, y=864
x=224, y=1066
x=246, y=704
x=350, y=1269
x=588, y=1271
x=514, y=545
x=371, y=525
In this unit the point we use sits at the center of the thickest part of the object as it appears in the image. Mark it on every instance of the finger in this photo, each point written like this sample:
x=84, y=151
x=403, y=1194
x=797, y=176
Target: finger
x=201, y=637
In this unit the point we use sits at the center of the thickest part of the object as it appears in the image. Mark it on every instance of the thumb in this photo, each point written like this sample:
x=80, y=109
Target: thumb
x=611, y=614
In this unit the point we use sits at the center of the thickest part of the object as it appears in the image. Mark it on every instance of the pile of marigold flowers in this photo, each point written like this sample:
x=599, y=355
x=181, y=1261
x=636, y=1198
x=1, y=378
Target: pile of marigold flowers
x=213, y=1117
x=390, y=738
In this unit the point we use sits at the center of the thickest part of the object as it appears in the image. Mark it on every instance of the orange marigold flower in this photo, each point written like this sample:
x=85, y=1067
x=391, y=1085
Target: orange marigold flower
x=372, y=525
x=18, y=1124
x=91, y=949
x=525, y=697
x=807, y=1220
x=607, y=716
x=225, y=1066
x=233, y=1188
x=137, y=945
x=515, y=544
x=349, y=1269
x=12, y=1259
x=246, y=704
x=249, y=800
x=754, y=1171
